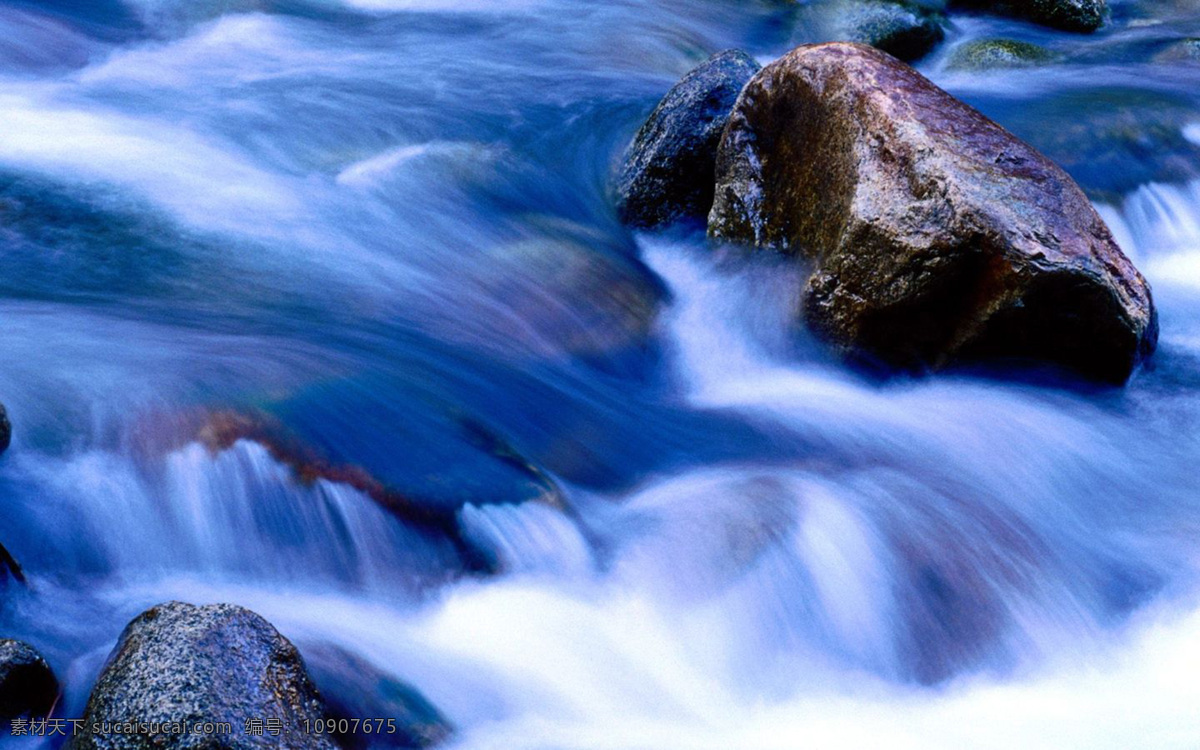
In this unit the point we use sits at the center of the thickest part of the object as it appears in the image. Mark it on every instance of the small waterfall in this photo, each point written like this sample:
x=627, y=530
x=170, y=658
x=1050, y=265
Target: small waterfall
x=234, y=515
x=1161, y=223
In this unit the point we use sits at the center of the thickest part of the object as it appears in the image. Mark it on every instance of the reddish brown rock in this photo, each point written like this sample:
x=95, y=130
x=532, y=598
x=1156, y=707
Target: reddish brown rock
x=937, y=236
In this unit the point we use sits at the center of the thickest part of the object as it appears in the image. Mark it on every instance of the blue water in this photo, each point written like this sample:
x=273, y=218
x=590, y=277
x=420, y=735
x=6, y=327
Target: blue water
x=639, y=510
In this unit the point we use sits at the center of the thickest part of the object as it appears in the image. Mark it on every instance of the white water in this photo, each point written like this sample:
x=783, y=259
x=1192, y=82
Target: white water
x=939, y=563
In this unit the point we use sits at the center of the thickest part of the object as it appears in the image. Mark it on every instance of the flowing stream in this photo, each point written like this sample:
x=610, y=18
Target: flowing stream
x=386, y=225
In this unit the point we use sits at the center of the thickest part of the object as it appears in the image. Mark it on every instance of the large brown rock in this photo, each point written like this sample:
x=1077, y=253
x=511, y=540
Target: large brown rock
x=937, y=236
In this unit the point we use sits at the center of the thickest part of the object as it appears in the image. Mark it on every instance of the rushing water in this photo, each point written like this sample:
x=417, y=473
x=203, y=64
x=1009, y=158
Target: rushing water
x=385, y=223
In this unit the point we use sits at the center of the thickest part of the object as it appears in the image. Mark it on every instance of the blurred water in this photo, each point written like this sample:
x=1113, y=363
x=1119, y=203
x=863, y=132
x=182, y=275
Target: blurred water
x=626, y=506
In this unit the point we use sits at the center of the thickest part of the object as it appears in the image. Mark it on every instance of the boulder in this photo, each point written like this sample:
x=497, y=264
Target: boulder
x=5, y=430
x=220, y=663
x=27, y=684
x=1068, y=15
x=668, y=171
x=354, y=689
x=903, y=30
x=992, y=54
x=937, y=237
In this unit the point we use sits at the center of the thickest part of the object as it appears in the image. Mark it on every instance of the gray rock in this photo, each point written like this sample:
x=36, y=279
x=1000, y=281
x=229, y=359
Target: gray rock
x=219, y=663
x=668, y=171
x=904, y=30
x=1068, y=15
x=993, y=54
x=27, y=684
x=939, y=238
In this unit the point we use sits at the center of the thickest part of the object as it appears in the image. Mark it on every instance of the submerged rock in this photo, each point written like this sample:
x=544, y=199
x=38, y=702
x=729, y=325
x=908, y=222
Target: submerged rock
x=5, y=430
x=1112, y=140
x=219, y=663
x=991, y=54
x=939, y=238
x=904, y=30
x=570, y=295
x=1068, y=15
x=355, y=689
x=9, y=566
x=1182, y=51
x=219, y=430
x=668, y=171
x=27, y=684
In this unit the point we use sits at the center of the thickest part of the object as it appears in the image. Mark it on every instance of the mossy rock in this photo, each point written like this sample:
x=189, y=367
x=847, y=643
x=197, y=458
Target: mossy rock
x=993, y=54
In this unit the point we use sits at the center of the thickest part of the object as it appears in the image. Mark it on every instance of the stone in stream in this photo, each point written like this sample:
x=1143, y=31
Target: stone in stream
x=9, y=567
x=355, y=688
x=1181, y=51
x=993, y=54
x=905, y=30
x=5, y=430
x=220, y=663
x=668, y=170
x=938, y=238
x=1068, y=15
x=27, y=684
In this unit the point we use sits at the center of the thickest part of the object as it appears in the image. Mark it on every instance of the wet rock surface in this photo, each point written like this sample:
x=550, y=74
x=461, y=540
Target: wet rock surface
x=1067, y=15
x=218, y=663
x=5, y=430
x=27, y=684
x=939, y=238
x=667, y=174
x=907, y=31
x=354, y=688
x=993, y=54
x=9, y=567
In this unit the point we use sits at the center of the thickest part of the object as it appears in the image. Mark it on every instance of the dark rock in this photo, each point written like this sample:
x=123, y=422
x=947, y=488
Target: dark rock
x=1068, y=15
x=5, y=430
x=991, y=54
x=219, y=663
x=355, y=689
x=938, y=237
x=9, y=566
x=903, y=30
x=27, y=684
x=668, y=171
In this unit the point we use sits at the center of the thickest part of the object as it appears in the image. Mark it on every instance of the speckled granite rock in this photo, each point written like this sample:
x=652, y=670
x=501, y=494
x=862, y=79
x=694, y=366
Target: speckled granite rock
x=219, y=663
x=27, y=684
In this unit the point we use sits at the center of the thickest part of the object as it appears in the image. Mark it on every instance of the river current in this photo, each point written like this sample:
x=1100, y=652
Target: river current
x=387, y=225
